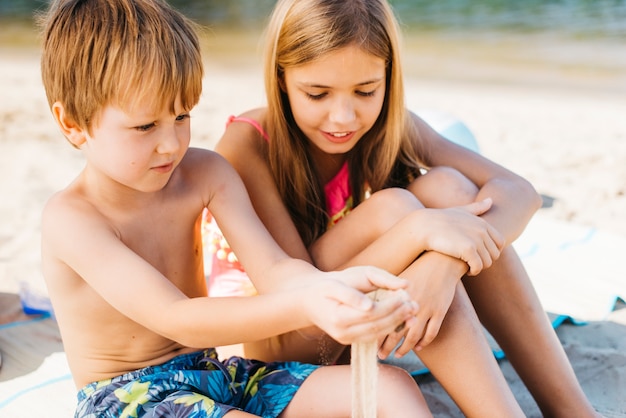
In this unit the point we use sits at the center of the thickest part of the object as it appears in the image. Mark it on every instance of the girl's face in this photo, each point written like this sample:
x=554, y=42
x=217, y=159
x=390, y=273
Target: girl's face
x=336, y=99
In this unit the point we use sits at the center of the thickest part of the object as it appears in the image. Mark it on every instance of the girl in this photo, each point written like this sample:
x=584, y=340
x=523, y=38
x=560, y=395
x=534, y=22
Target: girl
x=334, y=169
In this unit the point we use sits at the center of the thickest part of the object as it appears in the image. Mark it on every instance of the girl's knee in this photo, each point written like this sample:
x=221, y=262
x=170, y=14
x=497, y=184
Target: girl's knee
x=444, y=187
x=388, y=206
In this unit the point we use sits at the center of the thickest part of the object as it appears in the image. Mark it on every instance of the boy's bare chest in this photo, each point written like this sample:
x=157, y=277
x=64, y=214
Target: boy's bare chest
x=171, y=242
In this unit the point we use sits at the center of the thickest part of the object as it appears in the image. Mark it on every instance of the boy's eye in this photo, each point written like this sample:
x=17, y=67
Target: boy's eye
x=144, y=128
x=182, y=117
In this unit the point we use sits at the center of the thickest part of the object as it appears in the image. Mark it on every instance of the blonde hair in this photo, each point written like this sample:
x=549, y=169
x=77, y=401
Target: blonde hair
x=118, y=52
x=301, y=31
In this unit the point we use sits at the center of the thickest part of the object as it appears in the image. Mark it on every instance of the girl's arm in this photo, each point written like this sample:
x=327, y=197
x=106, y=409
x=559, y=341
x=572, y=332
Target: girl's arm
x=245, y=149
x=514, y=198
x=457, y=233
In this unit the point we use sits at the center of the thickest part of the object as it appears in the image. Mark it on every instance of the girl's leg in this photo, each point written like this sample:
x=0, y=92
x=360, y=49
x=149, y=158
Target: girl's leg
x=293, y=346
x=462, y=362
x=506, y=303
x=508, y=306
x=328, y=393
x=460, y=356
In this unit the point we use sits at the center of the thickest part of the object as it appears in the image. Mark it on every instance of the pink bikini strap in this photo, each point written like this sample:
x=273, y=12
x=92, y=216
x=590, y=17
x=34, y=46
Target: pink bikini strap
x=252, y=122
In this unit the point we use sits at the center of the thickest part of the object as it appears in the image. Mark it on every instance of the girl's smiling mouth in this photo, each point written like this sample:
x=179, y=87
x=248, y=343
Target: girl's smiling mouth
x=339, y=137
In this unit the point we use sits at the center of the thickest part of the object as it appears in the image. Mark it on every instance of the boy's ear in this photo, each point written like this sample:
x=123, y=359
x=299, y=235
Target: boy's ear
x=74, y=133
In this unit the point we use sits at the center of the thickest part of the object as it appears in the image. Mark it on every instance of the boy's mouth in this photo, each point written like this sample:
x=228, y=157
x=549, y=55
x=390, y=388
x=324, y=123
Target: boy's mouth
x=165, y=168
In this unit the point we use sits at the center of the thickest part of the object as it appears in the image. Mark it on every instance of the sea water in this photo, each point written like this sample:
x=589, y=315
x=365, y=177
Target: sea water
x=570, y=45
x=578, y=18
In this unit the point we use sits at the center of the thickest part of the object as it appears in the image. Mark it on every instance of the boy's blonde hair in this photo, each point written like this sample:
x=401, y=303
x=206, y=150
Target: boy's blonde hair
x=118, y=52
x=299, y=32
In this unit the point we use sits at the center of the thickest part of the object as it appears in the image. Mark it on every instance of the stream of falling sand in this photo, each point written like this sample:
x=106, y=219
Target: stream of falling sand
x=364, y=365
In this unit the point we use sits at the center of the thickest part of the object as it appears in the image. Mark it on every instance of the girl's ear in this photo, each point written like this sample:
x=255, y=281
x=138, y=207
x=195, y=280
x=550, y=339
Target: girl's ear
x=281, y=81
x=74, y=133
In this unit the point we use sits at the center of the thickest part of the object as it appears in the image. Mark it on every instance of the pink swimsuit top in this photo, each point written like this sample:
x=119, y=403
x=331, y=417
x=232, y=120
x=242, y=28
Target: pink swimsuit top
x=339, y=203
x=339, y=200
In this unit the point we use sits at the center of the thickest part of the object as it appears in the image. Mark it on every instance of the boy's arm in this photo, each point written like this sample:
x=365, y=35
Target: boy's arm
x=267, y=263
x=140, y=292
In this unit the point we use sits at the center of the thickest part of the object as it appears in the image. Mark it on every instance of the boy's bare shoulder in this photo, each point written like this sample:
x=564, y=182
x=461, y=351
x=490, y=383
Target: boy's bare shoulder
x=66, y=204
x=69, y=212
x=204, y=164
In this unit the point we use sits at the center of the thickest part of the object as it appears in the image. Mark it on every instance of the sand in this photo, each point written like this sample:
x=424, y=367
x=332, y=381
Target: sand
x=550, y=110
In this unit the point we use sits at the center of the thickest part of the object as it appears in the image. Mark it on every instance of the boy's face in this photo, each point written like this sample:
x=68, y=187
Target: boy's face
x=138, y=148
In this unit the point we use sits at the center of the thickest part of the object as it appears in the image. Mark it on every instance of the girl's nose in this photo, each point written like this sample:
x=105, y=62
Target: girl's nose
x=342, y=111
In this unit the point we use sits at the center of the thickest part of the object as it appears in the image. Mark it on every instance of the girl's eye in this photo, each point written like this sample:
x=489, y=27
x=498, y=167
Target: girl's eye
x=366, y=93
x=315, y=96
x=181, y=118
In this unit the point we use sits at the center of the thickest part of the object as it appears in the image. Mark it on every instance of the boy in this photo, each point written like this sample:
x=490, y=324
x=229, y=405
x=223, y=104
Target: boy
x=121, y=245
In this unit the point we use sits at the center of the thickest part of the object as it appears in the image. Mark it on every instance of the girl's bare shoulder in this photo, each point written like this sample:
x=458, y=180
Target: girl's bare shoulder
x=245, y=132
x=244, y=142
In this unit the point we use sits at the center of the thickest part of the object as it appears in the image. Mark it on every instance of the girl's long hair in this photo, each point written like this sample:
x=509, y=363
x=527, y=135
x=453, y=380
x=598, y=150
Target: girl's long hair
x=301, y=31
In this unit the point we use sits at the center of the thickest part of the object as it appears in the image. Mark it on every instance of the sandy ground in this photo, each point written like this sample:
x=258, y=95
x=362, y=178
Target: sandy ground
x=550, y=111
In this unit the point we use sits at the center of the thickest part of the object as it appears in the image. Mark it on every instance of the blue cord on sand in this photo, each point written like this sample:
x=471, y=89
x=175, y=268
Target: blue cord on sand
x=13, y=397
x=7, y=401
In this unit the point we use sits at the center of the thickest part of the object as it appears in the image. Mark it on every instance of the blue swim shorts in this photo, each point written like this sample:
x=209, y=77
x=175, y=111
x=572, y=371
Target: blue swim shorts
x=196, y=385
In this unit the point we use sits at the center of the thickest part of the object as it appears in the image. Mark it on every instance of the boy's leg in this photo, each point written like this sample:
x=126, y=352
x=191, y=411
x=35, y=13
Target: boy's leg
x=327, y=392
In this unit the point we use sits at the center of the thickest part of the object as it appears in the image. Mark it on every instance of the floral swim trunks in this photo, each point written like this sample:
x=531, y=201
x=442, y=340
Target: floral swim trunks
x=196, y=385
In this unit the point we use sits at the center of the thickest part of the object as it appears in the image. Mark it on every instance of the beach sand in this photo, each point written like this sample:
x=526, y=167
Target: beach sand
x=550, y=110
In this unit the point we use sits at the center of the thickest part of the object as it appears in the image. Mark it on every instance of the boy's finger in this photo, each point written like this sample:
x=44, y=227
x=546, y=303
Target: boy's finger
x=370, y=278
x=350, y=297
x=382, y=279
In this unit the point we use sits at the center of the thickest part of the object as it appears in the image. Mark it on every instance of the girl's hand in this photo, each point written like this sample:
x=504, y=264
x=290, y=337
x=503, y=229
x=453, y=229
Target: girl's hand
x=460, y=233
x=347, y=315
x=437, y=277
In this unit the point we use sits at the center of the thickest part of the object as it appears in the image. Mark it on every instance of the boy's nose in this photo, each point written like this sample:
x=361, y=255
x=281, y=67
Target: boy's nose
x=169, y=142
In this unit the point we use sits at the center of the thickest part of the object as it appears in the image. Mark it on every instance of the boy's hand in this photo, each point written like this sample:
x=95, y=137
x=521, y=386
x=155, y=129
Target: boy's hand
x=348, y=315
x=368, y=278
